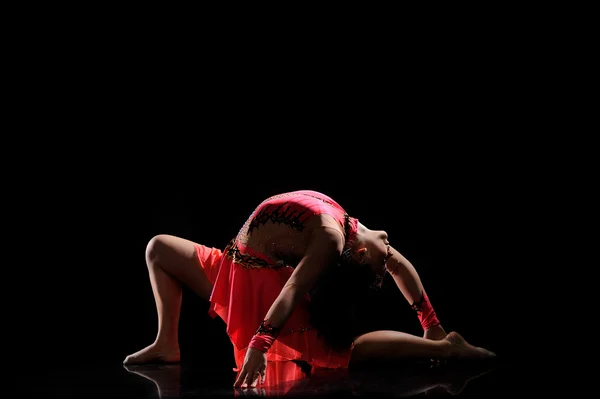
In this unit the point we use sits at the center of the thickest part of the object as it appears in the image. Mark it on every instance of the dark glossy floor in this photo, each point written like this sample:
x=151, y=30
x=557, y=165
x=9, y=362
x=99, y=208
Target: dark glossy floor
x=283, y=379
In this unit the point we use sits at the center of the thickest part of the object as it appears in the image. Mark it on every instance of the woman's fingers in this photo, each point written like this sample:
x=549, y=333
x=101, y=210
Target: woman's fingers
x=240, y=378
x=251, y=379
x=247, y=378
x=263, y=374
x=256, y=379
x=437, y=362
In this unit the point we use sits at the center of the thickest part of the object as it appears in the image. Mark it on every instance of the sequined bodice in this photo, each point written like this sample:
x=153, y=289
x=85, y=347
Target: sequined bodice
x=275, y=234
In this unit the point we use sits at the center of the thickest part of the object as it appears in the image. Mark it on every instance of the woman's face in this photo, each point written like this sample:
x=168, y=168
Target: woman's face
x=377, y=248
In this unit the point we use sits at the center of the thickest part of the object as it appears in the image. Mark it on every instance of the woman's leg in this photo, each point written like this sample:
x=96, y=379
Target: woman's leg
x=171, y=261
x=392, y=345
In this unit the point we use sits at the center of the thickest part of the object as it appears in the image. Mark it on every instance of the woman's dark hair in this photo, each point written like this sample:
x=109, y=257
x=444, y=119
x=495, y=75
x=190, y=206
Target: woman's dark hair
x=340, y=299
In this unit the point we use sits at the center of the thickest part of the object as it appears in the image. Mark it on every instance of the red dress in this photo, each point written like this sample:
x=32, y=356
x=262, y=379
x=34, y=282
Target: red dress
x=246, y=282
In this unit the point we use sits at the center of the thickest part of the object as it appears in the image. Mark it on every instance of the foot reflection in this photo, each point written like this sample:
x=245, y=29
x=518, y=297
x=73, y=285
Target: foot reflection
x=166, y=377
x=289, y=379
x=444, y=380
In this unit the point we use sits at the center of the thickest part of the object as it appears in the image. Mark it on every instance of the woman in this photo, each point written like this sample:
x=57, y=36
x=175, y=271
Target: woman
x=265, y=284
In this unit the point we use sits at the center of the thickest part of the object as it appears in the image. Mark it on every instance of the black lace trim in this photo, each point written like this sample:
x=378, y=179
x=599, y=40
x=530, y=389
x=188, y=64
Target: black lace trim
x=277, y=215
x=347, y=226
x=266, y=328
x=232, y=252
x=418, y=306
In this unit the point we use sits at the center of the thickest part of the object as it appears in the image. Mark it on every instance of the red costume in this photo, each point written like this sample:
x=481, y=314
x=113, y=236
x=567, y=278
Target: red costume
x=247, y=280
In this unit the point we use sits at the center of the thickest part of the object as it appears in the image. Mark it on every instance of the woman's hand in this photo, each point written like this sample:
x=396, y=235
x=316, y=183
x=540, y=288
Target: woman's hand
x=435, y=333
x=255, y=367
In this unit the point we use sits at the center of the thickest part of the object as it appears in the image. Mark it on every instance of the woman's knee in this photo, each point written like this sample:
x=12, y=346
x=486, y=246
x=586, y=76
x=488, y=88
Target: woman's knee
x=369, y=345
x=358, y=349
x=168, y=249
x=158, y=247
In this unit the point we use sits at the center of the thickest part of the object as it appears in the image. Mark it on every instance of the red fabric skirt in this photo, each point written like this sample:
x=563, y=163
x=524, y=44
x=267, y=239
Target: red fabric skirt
x=242, y=297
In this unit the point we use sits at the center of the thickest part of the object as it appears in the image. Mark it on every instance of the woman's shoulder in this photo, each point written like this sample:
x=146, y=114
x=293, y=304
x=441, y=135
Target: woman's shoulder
x=326, y=227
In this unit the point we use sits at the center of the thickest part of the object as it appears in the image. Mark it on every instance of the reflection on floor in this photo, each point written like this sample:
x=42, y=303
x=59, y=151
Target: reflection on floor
x=283, y=379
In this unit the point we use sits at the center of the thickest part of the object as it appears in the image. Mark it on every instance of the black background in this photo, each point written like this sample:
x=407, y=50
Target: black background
x=466, y=147
x=449, y=161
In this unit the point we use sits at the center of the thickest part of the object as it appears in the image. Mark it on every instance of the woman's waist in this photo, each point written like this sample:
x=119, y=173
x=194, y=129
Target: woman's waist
x=248, y=257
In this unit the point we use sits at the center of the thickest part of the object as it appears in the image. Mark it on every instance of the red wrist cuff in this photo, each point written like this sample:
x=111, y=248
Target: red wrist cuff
x=427, y=316
x=264, y=337
x=261, y=342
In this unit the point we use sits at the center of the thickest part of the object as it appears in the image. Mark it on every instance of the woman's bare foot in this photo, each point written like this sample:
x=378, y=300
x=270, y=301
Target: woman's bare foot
x=461, y=349
x=154, y=354
x=435, y=333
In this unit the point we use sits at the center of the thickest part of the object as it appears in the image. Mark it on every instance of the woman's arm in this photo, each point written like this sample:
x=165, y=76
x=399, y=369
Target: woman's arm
x=405, y=275
x=324, y=247
x=408, y=281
